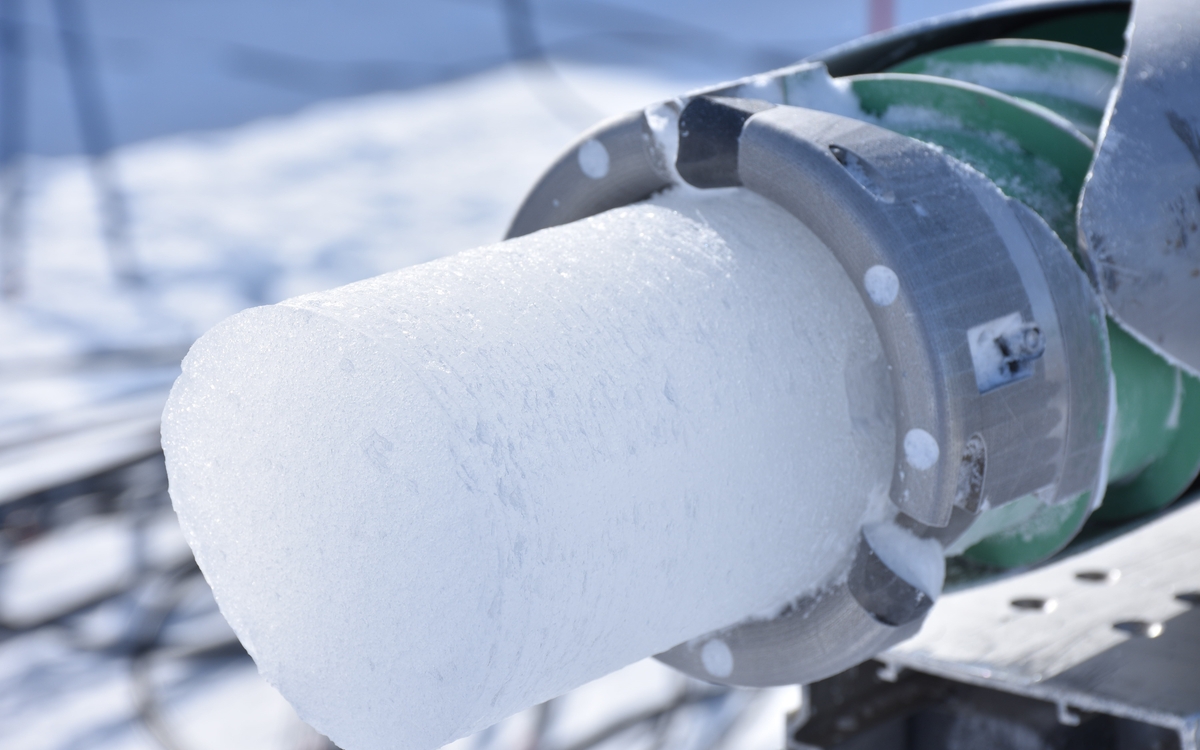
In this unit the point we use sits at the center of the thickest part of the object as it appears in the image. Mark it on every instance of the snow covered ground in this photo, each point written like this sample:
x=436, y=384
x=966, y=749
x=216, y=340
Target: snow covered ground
x=285, y=206
x=55, y=695
x=250, y=216
x=169, y=67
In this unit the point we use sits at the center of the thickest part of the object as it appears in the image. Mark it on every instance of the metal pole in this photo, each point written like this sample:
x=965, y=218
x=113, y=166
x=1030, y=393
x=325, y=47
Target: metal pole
x=97, y=136
x=551, y=88
x=881, y=15
x=12, y=145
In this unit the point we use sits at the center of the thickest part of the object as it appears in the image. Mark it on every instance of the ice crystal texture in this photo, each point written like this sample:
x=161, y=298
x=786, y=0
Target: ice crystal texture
x=436, y=497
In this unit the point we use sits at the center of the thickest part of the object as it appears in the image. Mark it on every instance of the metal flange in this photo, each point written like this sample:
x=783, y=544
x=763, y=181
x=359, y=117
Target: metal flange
x=998, y=374
x=996, y=345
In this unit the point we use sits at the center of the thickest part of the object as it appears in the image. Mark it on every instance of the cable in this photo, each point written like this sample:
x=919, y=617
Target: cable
x=140, y=643
x=97, y=136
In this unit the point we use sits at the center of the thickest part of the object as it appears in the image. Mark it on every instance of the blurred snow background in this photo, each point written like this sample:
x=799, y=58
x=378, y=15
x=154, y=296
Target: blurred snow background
x=235, y=153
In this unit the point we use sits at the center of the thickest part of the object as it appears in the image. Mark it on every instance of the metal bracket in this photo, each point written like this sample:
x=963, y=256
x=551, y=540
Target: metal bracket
x=1139, y=216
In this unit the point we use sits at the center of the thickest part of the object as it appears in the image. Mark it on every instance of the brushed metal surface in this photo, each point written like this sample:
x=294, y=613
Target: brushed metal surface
x=1139, y=219
x=1116, y=628
x=964, y=255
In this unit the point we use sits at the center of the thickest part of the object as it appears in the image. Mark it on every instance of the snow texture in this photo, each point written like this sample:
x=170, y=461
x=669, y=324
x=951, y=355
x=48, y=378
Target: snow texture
x=471, y=485
x=251, y=216
x=277, y=208
x=663, y=121
x=814, y=88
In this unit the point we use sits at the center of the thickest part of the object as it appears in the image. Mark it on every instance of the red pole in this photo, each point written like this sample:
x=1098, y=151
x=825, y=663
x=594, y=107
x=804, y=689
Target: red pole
x=881, y=15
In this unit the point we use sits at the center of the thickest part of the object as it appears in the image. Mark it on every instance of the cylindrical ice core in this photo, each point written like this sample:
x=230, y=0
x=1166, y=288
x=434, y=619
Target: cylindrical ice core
x=428, y=500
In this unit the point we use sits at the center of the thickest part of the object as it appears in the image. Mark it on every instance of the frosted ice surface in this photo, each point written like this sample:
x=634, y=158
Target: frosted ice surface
x=814, y=88
x=436, y=497
x=663, y=121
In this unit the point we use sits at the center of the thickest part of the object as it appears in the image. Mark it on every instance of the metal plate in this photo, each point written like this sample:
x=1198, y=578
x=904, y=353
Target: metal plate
x=1140, y=212
x=1114, y=629
x=962, y=258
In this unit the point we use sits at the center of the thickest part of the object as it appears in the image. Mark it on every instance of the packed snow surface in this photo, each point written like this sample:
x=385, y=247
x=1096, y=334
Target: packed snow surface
x=433, y=498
